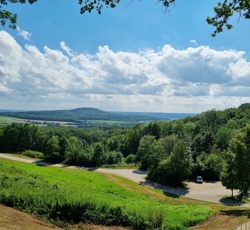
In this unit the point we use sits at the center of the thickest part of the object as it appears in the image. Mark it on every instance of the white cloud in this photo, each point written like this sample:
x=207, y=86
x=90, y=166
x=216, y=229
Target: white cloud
x=170, y=80
x=193, y=42
x=24, y=34
x=67, y=49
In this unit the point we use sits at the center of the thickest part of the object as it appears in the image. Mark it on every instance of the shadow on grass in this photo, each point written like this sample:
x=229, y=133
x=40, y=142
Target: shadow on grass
x=171, y=191
x=231, y=202
x=234, y=212
x=171, y=195
x=42, y=163
x=61, y=165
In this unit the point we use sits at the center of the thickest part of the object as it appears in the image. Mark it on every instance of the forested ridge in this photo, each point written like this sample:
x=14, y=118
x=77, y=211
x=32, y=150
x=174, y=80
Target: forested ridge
x=78, y=115
x=214, y=144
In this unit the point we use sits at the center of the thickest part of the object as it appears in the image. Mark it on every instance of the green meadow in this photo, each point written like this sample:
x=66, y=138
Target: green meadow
x=110, y=122
x=71, y=196
x=7, y=120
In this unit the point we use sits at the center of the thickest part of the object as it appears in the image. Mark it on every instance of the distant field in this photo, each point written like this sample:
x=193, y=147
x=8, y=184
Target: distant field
x=8, y=120
x=107, y=122
x=67, y=187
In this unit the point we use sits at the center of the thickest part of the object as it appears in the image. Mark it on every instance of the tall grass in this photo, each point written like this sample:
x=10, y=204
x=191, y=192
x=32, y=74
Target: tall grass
x=74, y=195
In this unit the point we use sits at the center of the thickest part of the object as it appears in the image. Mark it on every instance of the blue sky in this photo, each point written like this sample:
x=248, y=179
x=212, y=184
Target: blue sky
x=136, y=57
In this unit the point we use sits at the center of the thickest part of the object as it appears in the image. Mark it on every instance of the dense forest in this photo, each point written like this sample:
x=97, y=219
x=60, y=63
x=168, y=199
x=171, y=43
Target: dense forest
x=213, y=144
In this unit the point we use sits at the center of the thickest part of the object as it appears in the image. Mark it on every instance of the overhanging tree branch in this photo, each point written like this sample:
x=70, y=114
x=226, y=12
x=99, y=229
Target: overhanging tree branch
x=223, y=11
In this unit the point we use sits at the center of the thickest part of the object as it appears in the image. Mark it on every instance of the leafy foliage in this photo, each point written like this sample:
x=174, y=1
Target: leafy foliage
x=33, y=154
x=236, y=173
x=223, y=11
x=9, y=17
x=174, y=168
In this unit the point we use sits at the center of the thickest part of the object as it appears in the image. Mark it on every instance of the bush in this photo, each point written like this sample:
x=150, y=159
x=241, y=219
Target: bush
x=33, y=154
x=130, y=159
x=113, y=158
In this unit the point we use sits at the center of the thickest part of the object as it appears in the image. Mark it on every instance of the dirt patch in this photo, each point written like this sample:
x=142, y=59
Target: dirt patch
x=96, y=227
x=226, y=219
x=13, y=219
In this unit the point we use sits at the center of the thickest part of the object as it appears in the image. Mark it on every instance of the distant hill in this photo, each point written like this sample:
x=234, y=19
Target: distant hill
x=79, y=115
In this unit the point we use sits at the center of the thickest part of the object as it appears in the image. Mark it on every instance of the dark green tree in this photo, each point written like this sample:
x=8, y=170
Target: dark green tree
x=28, y=137
x=10, y=142
x=235, y=173
x=154, y=129
x=240, y=147
x=228, y=175
x=180, y=161
x=131, y=140
x=113, y=157
x=99, y=155
x=130, y=159
x=149, y=152
x=175, y=168
x=52, y=149
x=223, y=137
x=168, y=143
x=209, y=166
x=70, y=148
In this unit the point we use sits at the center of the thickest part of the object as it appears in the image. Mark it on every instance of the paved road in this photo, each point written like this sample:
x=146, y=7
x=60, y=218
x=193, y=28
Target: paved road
x=208, y=191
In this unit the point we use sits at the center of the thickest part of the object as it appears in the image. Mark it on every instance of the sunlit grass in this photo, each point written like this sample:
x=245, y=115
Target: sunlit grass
x=76, y=186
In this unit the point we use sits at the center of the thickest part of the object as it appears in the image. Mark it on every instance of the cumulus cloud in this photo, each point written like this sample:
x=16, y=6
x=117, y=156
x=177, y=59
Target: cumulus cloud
x=189, y=80
x=24, y=34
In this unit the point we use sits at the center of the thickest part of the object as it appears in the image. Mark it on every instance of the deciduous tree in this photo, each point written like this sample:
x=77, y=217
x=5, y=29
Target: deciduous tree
x=236, y=172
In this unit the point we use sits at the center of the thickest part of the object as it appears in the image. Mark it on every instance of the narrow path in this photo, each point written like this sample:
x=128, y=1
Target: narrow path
x=208, y=191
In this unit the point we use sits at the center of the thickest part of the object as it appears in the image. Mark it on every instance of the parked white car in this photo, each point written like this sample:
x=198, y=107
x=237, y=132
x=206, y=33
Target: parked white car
x=199, y=179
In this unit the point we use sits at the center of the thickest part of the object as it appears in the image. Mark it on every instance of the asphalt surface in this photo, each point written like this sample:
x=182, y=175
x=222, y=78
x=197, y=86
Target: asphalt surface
x=208, y=191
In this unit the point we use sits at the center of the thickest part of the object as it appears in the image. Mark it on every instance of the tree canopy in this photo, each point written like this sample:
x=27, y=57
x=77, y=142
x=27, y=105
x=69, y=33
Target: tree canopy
x=237, y=166
x=224, y=10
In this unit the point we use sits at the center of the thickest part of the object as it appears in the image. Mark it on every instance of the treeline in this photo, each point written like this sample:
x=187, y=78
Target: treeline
x=207, y=145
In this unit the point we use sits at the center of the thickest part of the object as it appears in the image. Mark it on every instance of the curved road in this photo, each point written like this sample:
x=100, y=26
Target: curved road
x=208, y=191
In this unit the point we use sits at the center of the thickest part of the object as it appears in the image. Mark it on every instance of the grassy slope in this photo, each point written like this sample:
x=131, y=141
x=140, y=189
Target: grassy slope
x=96, y=187
x=223, y=217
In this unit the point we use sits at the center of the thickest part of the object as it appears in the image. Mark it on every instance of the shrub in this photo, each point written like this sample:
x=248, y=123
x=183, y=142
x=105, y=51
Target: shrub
x=130, y=159
x=33, y=154
x=113, y=157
